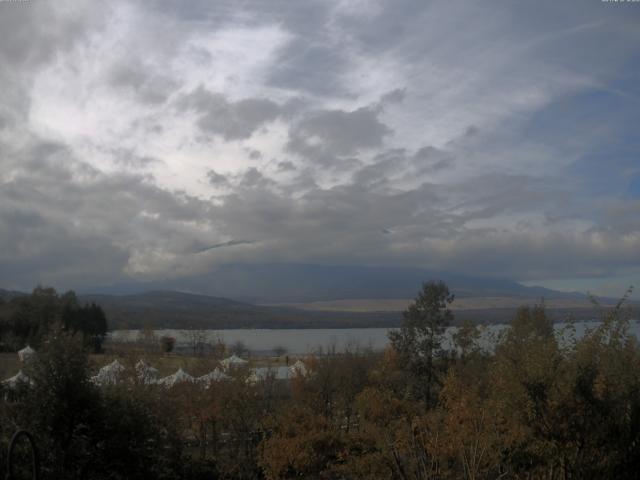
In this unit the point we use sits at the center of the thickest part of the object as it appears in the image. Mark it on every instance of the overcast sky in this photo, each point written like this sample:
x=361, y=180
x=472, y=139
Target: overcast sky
x=146, y=140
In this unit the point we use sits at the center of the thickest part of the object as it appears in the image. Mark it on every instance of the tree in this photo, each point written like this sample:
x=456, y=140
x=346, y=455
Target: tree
x=239, y=348
x=419, y=340
x=148, y=339
x=466, y=339
x=89, y=320
x=33, y=316
x=279, y=350
x=197, y=341
x=86, y=432
x=167, y=344
x=63, y=406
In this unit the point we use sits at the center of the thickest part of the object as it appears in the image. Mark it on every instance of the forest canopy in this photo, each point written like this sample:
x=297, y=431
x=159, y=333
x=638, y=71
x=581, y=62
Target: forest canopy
x=28, y=319
x=530, y=406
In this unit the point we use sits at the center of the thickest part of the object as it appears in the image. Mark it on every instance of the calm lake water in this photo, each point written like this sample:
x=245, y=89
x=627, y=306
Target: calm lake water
x=303, y=341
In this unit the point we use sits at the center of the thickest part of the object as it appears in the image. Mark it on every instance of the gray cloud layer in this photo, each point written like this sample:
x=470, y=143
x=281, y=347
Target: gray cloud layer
x=162, y=141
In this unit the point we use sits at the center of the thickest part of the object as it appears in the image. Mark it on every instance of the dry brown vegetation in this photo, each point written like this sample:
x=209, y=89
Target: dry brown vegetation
x=529, y=409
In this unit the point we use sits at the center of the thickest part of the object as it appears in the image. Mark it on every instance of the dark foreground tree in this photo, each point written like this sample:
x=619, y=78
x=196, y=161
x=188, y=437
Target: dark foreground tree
x=31, y=317
x=419, y=340
x=84, y=432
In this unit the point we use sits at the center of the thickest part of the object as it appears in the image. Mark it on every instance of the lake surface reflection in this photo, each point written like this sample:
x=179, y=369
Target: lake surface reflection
x=303, y=341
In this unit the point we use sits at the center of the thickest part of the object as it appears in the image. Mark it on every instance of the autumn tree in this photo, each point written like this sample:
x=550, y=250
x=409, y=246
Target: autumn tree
x=419, y=340
x=241, y=408
x=466, y=340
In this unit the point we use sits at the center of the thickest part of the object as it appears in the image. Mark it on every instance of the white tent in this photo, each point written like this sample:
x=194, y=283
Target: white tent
x=262, y=373
x=109, y=374
x=145, y=372
x=179, y=377
x=26, y=353
x=213, y=376
x=298, y=368
x=19, y=379
x=233, y=361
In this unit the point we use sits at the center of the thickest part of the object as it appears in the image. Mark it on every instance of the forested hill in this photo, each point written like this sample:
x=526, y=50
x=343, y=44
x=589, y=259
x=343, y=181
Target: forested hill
x=6, y=295
x=290, y=282
x=171, y=309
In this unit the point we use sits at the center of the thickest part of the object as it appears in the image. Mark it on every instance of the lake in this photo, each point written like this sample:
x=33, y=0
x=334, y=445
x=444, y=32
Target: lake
x=303, y=341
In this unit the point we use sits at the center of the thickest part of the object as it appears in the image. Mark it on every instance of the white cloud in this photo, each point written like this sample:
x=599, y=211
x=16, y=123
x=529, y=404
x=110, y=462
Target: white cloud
x=294, y=113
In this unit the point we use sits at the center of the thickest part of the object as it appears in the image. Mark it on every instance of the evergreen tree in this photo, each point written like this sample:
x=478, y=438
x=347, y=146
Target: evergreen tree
x=419, y=340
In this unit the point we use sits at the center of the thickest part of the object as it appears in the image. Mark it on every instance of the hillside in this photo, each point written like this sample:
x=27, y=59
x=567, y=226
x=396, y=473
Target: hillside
x=176, y=309
x=292, y=282
x=172, y=309
x=7, y=295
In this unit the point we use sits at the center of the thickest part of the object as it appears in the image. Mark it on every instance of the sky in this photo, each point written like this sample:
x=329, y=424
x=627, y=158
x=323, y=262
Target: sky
x=147, y=140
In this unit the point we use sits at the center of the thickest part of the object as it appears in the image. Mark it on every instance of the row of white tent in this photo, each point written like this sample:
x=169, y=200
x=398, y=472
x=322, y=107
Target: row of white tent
x=111, y=374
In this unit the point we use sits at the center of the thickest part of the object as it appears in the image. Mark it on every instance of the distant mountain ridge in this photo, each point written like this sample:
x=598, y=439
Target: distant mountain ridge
x=288, y=282
x=180, y=310
x=9, y=294
x=242, y=296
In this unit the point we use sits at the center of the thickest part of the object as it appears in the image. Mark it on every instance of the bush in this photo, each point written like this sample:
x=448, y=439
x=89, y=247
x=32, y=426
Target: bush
x=167, y=344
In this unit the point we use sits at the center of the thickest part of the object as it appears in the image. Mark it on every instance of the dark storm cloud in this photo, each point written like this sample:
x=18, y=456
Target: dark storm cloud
x=32, y=35
x=399, y=164
x=431, y=159
x=286, y=166
x=253, y=178
x=383, y=166
x=406, y=133
x=394, y=96
x=310, y=223
x=491, y=196
x=313, y=69
x=230, y=243
x=62, y=221
x=216, y=179
x=324, y=135
x=147, y=85
x=230, y=120
x=128, y=158
x=255, y=154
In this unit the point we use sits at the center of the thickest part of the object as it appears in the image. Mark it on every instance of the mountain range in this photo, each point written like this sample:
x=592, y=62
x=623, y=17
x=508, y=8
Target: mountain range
x=311, y=296
x=287, y=283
